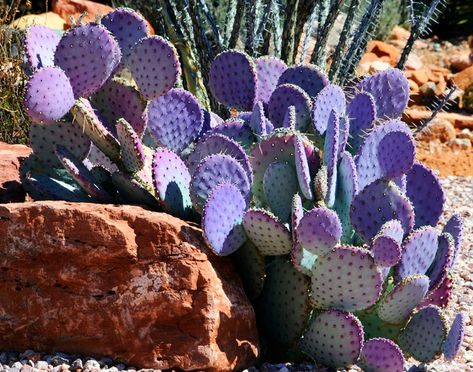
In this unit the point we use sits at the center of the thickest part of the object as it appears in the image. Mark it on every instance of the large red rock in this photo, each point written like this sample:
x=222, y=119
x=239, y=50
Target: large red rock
x=123, y=282
x=10, y=158
x=75, y=8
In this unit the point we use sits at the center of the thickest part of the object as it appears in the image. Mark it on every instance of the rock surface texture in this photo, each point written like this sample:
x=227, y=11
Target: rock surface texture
x=10, y=185
x=122, y=282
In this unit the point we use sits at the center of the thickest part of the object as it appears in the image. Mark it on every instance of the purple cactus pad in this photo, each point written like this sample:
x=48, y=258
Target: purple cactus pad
x=132, y=152
x=175, y=119
x=426, y=194
x=257, y=121
x=381, y=355
x=362, y=113
x=269, y=234
x=48, y=95
x=232, y=80
x=222, y=219
x=236, y=130
x=442, y=261
x=88, y=55
x=393, y=229
x=40, y=44
x=133, y=191
x=154, y=65
x=334, y=339
x=454, y=340
x=290, y=118
x=211, y=120
x=302, y=168
x=330, y=157
x=319, y=231
x=386, y=251
x=268, y=71
x=454, y=227
x=308, y=77
x=343, y=133
x=283, y=97
x=331, y=98
x=128, y=27
x=390, y=90
x=346, y=278
x=440, y=296
x=377, y=203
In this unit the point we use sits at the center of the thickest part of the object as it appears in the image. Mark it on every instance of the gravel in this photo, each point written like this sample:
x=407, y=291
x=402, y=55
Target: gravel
x=459, y=194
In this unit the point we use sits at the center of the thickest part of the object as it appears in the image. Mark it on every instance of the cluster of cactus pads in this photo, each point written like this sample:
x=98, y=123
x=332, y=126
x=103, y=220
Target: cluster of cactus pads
x=313, y=188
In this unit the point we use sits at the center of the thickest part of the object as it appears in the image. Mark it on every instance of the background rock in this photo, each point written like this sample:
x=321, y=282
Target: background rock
x=10, y=186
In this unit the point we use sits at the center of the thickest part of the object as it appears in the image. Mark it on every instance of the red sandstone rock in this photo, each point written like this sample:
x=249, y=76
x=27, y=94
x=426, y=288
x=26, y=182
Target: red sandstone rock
x=464, y=79
x=438, y=129
x=10, y=186
x=416, y=116
x=122, y=282
x=382, y=49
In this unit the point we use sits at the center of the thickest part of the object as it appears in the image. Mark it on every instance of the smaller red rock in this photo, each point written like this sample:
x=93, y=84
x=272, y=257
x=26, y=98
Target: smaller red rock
x=11, y=190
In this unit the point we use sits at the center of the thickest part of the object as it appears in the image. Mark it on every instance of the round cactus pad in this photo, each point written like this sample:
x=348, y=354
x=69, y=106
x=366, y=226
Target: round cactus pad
x=377, y=203
x=128, y=27
x=88, y=54
x=232, y=80
x=117, y=100
x=442, y=261
x=154, y=65
x=424, y=335
x=454, y=227
x=418, y=253
x=40, y=44
x=440, y=296
x=268, y=71
x=330, y=157
x=48, y=95
x=280, y=185
x=307, y=77
x=45, y=138
x=175, y=119
x=362, y=113
x=283, y=97
x=132, y=151
x=269, y=234
x=302, y=168
x=218, y=144
x=390, y=90
x=334, y=339
x=249, y=263
x=346, y=278
x=319, y=230
x=393, y=229
x=455, y=336
x=387, y=152
x=222, y=219
x=386, y=251
x=216, y=169
x=381, y=355
x=398, y=304
x=426, y=194
x=171, y=181
x=331, y=98
x=284, y=303
x=237, y=130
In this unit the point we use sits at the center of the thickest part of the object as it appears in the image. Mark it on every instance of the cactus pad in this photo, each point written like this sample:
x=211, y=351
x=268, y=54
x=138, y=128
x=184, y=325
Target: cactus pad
x=390, y=90
x=249, y=263
x=302, y=168
x=40, y=45
x=418, y=253
x=334, y=339
x=131, y=149
x=222, y=219
x=175, y=119
x=257, y=121
x=290, y=118
x=268, y=71
x=128, y=27
x=398, y=304
x=88, y=55
x=393, y=229
x=307, y=77
x=455, y=336
x=284, y=302
x=283, y=97
x=440, y=296
x=443, y=260
x=362, y=113
x=423, y=336
x=386, y=251
x=387, y=152
x=330, y=157
x=378, y=203
x=48, y=95
x=232, y=80
x=381, y=355
x=154, y=65
x=331, y=98
x=211, y=120
x=280, y=185
x=117, y=100
x=216, y=169
x=44, y=138
x=319, y=230
x=454, y=227
x=346, y=278
x=426, y=194
x=133, y=191
x=236, y=130
x=265, y=230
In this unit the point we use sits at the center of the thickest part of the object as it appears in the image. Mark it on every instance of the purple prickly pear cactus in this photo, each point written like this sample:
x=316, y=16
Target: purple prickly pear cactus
x=268, y=71
x=386, y=251
x=257, y=121
x=440, y=296
x=302, y=168
x=362, y=113
x=308, y=77
x=88, y=55
x=232, y=80
x=454, y=227
x=330, y=156
x=40, y=45
x=283, y=97
x=330, y=99
x=211, y=120
x=442, y=261
x=381, y=355
x=237, y=130
x=455, y=336
x=175, y=119
x=48, y=95
x=290, y=118
x=154, y=65
x=128, y=27
x=131, y=149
